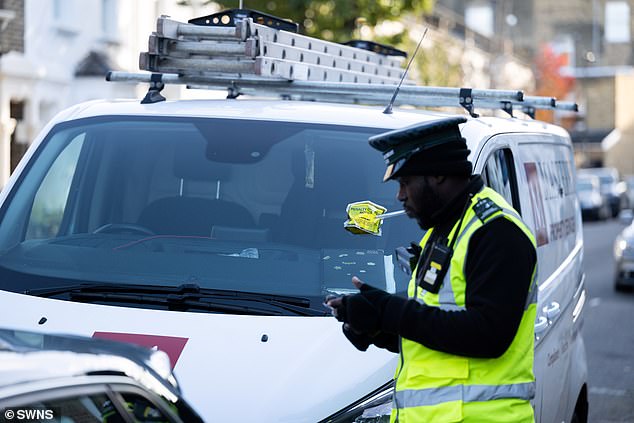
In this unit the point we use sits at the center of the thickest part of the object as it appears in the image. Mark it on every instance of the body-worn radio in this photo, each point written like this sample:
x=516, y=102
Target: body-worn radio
x=433, y=268
x=432, y=264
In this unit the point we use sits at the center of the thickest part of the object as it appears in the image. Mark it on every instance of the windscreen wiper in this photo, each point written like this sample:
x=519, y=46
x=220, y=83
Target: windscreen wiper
x=184, y=297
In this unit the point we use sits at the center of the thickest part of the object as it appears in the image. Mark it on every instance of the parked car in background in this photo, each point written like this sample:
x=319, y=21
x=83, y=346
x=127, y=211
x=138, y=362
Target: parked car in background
x=610, y=187
x=624, y=257
x=629, y=186
x=594, y=205
x=71, y=379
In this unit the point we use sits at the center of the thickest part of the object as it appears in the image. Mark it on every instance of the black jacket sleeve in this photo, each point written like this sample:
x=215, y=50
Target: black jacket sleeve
x=499, y=266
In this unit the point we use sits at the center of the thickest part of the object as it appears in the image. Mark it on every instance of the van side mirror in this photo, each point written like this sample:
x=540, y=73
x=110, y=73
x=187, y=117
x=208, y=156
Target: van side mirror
x=626, y=216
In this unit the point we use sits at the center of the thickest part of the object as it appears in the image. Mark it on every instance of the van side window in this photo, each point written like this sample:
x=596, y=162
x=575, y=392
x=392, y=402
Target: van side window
x=499, y=174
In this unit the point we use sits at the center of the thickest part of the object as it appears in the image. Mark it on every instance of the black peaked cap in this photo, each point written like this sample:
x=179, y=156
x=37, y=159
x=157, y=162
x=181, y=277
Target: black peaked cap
x=434, y=147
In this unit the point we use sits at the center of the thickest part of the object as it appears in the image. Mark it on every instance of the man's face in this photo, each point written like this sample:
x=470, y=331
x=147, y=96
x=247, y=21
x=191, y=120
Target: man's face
x=420, y=200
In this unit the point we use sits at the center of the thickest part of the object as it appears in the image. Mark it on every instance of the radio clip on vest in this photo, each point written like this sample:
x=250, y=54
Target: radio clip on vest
x=430, y=276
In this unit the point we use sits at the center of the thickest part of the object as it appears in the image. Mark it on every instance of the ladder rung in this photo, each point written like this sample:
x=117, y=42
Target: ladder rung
x=165, y=46
x=169, y=28
x=164, y=64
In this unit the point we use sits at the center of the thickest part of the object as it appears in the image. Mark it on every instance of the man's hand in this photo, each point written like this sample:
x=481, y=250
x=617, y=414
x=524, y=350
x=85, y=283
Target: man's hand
x=334, y=303
x=359, y=340
x=363, y=311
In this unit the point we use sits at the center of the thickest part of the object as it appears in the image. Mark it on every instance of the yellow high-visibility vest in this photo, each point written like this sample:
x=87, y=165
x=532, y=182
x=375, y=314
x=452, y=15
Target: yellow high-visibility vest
x=433, y=386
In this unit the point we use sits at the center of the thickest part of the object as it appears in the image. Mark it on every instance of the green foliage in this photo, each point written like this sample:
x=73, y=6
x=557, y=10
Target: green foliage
x=435, y=68
x=334, y=20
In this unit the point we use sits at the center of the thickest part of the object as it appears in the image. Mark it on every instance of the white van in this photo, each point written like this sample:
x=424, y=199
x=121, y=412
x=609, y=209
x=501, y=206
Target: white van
x=213, y=229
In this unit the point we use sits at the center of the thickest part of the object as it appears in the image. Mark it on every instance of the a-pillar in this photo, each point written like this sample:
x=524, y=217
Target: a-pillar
x=7, y=126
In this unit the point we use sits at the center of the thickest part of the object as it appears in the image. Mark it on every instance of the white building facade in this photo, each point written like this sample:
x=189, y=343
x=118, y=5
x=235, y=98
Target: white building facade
x=68, y=47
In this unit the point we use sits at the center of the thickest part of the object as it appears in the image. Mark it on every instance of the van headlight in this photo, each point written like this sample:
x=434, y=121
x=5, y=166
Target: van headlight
x=375, y=407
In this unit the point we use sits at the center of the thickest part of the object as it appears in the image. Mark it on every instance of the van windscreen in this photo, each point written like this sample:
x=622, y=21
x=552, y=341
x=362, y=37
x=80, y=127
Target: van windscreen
x=246, y=205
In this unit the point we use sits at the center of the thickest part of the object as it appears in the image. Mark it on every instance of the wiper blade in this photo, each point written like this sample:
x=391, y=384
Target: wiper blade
x=182, y=297
x=170, y=303
x=64, y=289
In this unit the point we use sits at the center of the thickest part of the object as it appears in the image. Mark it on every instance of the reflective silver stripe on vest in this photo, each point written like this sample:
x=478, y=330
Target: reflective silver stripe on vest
x=446, y=296
x=533, y=290
x=465, y=393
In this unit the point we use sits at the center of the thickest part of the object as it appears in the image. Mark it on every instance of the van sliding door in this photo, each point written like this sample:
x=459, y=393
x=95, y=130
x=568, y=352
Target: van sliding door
x=535, y=173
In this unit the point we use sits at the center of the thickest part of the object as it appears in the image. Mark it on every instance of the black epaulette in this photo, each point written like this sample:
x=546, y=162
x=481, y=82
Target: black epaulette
x=484, y=208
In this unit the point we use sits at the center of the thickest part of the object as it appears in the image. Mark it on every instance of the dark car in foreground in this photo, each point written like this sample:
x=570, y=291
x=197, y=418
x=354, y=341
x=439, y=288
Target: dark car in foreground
x=76, y=379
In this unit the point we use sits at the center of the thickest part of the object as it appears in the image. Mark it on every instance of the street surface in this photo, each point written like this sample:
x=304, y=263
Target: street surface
x=608, y=329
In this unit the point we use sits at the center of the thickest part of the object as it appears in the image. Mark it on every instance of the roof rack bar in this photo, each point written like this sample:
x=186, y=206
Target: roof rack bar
x=351, y=92
x=223, y=81
x=367, y=98
x=541, y=101
x=567, y=105
x=347, y=93
x=232, y=16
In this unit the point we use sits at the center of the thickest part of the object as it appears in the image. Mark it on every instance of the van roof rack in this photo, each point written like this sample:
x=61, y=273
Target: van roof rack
x=244, y=57
x=231, y=17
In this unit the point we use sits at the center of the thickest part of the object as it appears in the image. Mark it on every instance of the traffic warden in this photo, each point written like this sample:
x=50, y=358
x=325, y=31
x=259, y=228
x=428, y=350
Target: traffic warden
x=465, y=333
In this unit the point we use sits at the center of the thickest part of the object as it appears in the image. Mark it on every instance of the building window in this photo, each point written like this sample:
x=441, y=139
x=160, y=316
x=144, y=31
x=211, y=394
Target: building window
x=61, y=11
x=617, y=22
x=64, y=17
x=479, y=17
x=109, y=17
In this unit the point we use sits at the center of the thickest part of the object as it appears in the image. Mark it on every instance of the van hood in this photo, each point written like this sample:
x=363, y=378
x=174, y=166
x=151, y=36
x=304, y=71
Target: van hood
x=230, y=368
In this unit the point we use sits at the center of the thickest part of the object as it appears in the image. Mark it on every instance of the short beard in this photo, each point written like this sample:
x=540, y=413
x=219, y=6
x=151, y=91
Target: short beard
x=431, y=203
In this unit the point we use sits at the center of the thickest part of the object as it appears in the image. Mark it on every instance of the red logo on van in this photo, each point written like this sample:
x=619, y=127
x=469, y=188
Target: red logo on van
x=171, y=345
